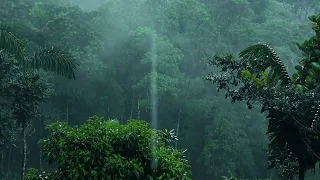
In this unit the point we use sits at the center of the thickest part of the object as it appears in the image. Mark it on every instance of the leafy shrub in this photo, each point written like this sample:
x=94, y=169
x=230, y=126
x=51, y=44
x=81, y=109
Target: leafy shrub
x=109, y=150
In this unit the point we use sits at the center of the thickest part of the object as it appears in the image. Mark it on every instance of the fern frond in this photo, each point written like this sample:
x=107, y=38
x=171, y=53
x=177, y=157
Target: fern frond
x=260, y=58
x=10, y=43
x=55, y=60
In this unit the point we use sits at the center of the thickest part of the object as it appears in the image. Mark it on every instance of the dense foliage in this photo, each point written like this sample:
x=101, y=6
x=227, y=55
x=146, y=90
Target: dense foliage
x=115, y=42
x=108, y=150
x=292, y=107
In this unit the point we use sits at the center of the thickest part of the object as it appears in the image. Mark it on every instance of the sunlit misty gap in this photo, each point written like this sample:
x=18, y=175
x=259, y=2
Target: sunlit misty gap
x=154, y=99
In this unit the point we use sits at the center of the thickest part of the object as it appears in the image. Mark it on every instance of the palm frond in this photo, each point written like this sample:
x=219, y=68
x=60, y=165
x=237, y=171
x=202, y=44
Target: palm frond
x=10, y=43
x=260, y=58
x=283, y=132
x=55, y=60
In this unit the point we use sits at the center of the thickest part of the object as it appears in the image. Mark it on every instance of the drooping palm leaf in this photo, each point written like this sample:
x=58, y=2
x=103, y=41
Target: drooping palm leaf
x=260, y=58
x=52, y=59
x=293, y=111
x=286, y=130
x=10, y=43
x=55, y=60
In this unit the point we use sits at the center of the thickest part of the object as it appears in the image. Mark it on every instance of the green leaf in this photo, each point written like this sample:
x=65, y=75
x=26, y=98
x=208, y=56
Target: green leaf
x=315, y=65
x=120, y=150
x=10, y=43
x=308, y=80
x=55, y=60
x=299, y=67
x=313, y=18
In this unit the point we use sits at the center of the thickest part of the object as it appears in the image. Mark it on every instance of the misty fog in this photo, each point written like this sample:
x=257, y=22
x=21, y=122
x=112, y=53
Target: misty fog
x=143, y=60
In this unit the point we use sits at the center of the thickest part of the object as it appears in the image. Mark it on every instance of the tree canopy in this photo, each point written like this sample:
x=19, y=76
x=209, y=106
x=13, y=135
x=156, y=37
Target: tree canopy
x=103, y=149
x=69, y=60
x=291, y=103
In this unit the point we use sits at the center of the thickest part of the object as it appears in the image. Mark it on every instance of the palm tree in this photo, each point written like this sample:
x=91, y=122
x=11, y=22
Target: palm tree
x=289, y=130
x=51, y=59
x=292, y=103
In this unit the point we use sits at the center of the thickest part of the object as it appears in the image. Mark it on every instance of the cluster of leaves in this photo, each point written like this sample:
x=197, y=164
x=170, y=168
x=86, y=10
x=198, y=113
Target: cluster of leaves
x=292, y=106
x=308, y=70
x=52, y=59
x=250, y=141
x=51, y=22
x=22, y=86
x=230, y=178
x=23, y=89
x=302, y=7
x=108, y=150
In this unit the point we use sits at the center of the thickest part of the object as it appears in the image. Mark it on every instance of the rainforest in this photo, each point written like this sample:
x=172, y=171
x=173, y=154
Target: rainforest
x=159, y=89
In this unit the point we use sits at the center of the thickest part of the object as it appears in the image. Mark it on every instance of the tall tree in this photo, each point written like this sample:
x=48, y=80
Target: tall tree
x=292, y=104
x=26, y=90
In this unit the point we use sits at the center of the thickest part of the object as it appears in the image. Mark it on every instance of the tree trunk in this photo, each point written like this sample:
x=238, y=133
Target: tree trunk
x=138, y=109
x=67, y=111
x=2, y=160
x=24, y=152
x=40, y=133
x=133, y=97
x=9, y=159
x=301, y=168
x=178, y=127
x=301, y=173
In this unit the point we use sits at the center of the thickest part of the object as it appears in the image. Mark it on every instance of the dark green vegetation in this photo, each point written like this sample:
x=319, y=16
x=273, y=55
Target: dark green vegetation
x=114, y=42
x=292, y=103
x=108, y=150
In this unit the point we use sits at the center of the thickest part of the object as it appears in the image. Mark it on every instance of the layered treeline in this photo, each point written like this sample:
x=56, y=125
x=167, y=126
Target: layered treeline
x=114, y=42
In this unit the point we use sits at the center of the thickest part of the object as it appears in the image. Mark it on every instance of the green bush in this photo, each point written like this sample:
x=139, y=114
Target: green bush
x=109, y=150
